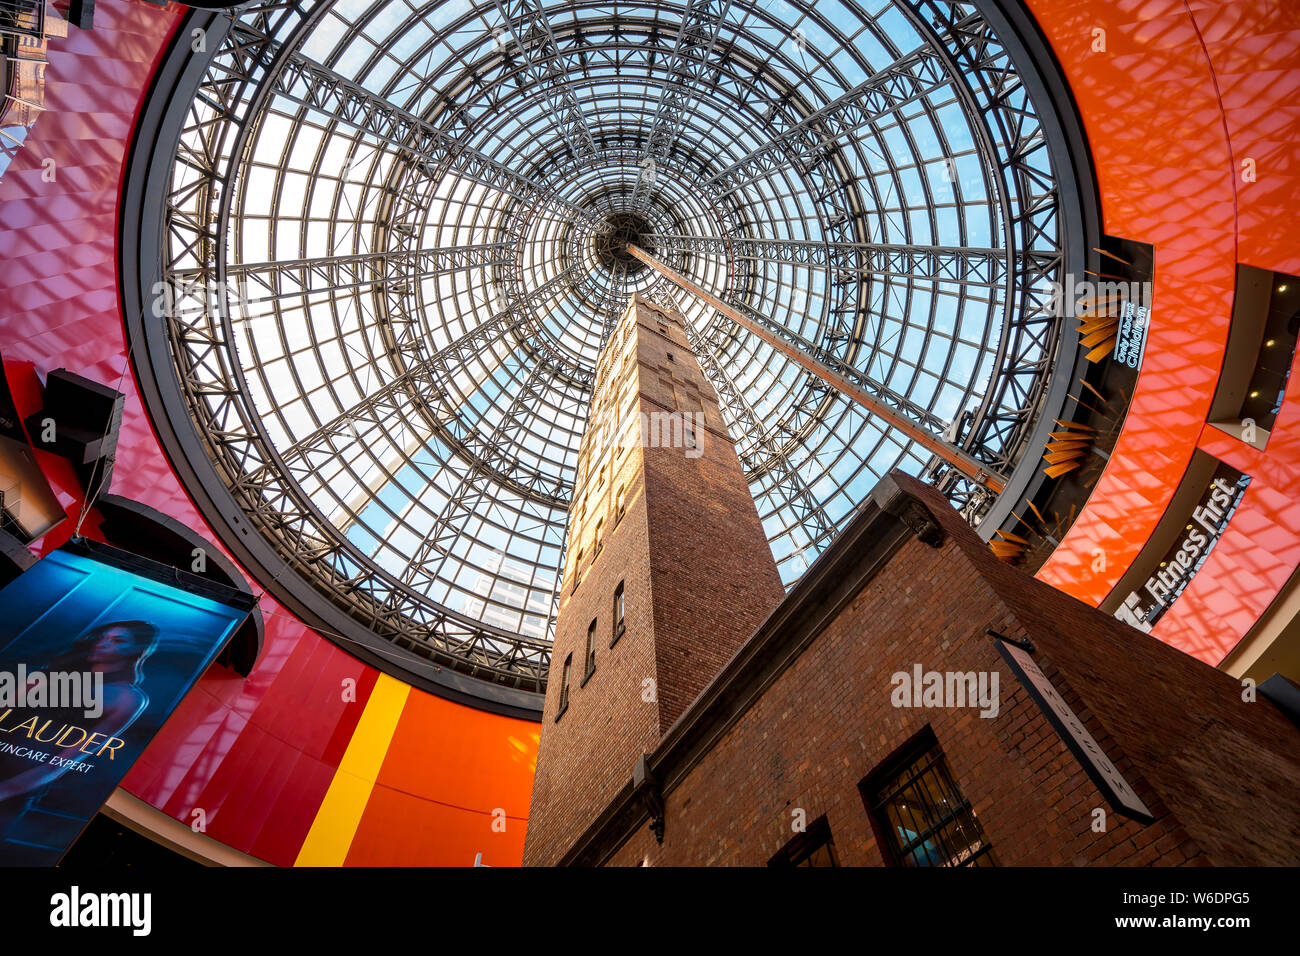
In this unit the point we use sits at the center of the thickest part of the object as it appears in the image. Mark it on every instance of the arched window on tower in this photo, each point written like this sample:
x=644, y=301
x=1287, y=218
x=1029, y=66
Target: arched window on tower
x=577, y=569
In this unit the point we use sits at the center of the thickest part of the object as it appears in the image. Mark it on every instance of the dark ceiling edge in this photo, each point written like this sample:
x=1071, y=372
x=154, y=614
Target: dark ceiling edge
x=1067, y=141
x=140, y=241
x=1080, y=225
x=119, y=514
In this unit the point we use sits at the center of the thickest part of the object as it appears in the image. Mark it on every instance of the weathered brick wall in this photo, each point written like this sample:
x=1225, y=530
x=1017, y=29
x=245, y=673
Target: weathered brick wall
x=1228, y=767
x=714, y=577
x=586, y=756
x=690, y=521
x=1220, y=775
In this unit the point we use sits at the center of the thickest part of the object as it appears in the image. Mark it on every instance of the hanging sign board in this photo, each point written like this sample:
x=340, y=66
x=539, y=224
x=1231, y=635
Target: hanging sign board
x=1118, y=792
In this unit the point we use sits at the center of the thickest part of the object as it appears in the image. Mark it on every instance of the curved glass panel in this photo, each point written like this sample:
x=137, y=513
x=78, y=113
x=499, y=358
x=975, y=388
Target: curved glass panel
x=415, y=219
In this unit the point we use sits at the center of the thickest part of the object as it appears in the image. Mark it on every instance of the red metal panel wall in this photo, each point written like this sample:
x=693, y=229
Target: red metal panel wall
x=1182, y=96
x=257, y=756
x=1255, y=52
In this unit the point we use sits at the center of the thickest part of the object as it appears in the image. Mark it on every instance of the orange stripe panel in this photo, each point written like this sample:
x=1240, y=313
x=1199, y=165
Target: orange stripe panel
x=448, y=768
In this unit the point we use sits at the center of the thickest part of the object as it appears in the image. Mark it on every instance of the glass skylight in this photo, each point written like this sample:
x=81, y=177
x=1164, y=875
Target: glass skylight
x=409, y=201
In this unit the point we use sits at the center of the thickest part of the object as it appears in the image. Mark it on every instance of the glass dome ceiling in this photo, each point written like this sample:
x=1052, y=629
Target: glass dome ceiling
x=394, y=244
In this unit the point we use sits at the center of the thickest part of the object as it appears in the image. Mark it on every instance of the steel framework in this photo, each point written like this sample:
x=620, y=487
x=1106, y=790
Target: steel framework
x=386, y=288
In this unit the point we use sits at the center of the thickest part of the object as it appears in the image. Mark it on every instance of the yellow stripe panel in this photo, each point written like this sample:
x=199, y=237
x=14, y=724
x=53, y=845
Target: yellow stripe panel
x=340, y=812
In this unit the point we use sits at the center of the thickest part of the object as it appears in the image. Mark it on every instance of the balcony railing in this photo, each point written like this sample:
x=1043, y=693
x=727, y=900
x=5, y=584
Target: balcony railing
x=22, y=18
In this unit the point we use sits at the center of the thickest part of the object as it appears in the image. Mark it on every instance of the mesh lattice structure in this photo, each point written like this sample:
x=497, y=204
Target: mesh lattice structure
x=395, y=241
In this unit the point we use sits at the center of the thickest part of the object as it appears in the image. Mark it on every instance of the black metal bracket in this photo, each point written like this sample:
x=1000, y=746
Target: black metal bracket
x=648, y=791
x=1024, y=643
x=79, y=420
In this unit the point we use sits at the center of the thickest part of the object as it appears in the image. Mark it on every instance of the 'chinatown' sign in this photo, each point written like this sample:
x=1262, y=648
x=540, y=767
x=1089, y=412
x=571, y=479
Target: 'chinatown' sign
x=1144, y=606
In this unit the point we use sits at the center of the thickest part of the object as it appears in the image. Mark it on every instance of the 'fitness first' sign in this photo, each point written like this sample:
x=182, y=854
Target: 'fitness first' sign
x=1143, y=607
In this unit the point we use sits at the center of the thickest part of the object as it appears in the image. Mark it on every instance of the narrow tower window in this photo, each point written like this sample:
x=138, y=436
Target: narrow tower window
x=564, y=687
x=577, y=568
x=591, y=650
x=619, y=625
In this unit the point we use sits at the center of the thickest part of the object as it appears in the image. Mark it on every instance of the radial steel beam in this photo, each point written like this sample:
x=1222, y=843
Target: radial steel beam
x=784, y=474
x=688, y=66
x=909, y=78
x=425, y=384
x=900, y=403
x=315, y=86
x=284, y=278
x=974, y=469
x=545, y=70
x=962, y=264
x=475, y=491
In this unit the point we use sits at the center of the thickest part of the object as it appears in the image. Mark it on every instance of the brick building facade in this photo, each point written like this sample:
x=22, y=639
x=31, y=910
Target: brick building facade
x=793, y=746
x=655, y=445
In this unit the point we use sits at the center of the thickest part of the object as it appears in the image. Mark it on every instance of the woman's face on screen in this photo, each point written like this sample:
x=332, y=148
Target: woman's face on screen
x=113, y=645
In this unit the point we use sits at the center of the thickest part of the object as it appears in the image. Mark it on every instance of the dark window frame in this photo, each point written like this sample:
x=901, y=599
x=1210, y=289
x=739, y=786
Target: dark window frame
x=577, y=569
x=620, y=613
x=921, y=763
x=564, y=686
x=803, y=848
x=591, y=652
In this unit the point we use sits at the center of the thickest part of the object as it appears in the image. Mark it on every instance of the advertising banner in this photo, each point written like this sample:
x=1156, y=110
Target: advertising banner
x=97, y=647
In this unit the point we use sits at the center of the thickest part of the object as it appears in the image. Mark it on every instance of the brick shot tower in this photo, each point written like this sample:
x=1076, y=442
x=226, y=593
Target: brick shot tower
x=668, y=573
